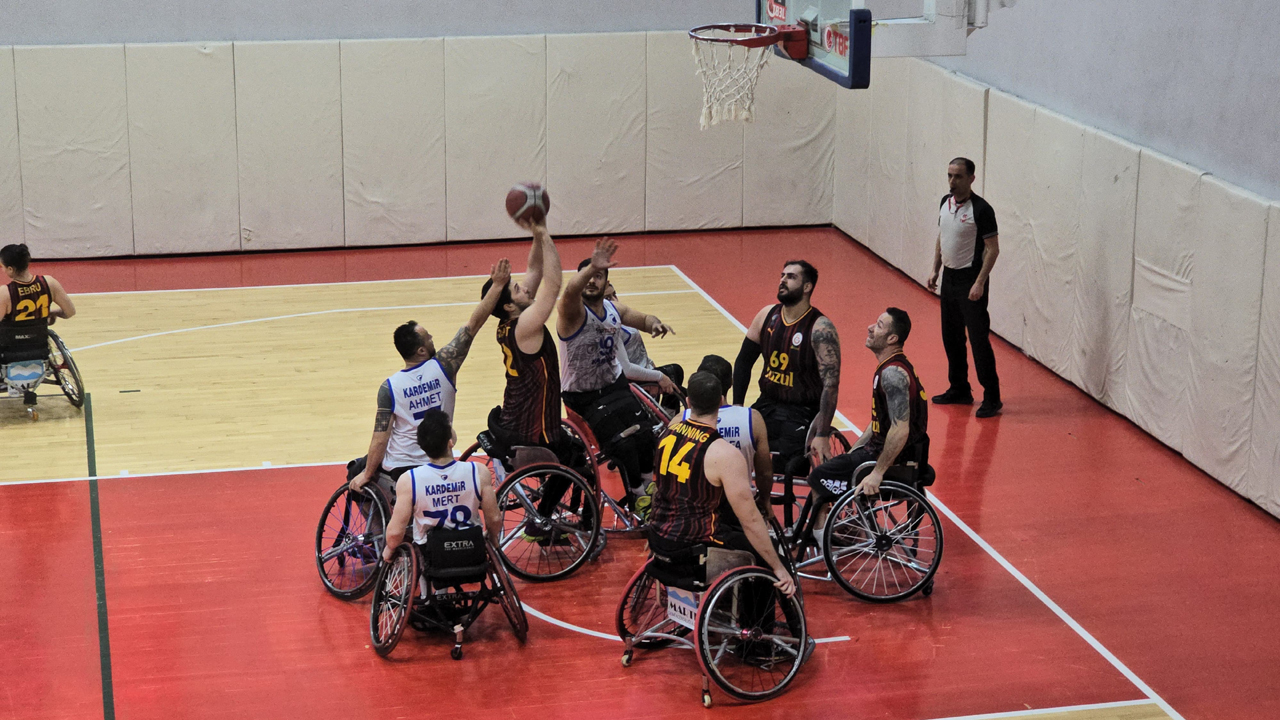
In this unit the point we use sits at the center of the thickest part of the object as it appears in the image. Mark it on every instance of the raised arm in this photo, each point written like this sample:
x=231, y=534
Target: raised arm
x=66, y=309
x=747, y=356
x=400, y=516
x=725, y=466
x=533, y=273
x=897, y=389
x=826, y=345
x=452, y=355
x=572, y=313
x=635, y=319
x=532, y=320
x=381, y=436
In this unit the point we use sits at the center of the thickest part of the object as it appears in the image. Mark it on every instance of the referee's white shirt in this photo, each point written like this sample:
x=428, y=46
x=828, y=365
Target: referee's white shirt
x=962, y=227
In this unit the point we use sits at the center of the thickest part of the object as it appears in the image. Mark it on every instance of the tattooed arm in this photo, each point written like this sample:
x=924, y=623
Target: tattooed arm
x=452, y=355
x=381, y=435
x=826, y=345
x=897, y=394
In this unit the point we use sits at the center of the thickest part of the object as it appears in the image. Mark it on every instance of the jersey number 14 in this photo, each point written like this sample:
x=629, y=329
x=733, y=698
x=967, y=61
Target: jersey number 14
x=676, y=464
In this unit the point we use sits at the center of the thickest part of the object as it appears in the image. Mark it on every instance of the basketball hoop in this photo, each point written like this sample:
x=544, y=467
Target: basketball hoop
x=730, y=57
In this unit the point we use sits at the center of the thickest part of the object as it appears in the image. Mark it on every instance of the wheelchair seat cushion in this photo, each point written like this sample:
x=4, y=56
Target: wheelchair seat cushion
x=458, y=556
x=684, y=569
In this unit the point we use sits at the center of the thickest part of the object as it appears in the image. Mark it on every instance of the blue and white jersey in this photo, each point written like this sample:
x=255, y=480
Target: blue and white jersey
x=414, y=391
x=589, y=357
x=637, y=353
x=733, y=422
x=446, y=496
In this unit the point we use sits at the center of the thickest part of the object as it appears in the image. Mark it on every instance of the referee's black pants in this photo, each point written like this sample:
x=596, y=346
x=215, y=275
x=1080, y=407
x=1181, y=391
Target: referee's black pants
x=960, y=314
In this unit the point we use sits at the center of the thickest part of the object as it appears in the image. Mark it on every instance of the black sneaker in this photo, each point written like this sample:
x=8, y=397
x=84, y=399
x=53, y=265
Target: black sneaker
x=989, y=408
x=951, y=397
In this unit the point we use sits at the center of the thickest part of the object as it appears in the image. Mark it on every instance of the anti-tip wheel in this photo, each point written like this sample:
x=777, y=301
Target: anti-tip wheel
x=626, y=659
x=706, y=699
x=456, y=653
x=33, y=414
x=927, y=590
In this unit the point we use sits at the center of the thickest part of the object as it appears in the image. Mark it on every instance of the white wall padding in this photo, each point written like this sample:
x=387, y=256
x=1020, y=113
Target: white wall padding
x=1104, y=275
x=182, y=148
x=890, y=157
x=1226, y=299
x=788, y=161
x=496, y=129
x=596, y=132
x=693, y=178
x=1010, y=125
x=289, y=120
x=1262, y=484
x=851, y=199
x=74, y=143
x=946, y=118
x=393, y=141
x=10, y=170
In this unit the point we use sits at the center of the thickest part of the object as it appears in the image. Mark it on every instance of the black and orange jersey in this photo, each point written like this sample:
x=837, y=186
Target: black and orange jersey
x=531, y=401
x=791, y=367
x=918, y=421
x=28, y=303
x=684, y=502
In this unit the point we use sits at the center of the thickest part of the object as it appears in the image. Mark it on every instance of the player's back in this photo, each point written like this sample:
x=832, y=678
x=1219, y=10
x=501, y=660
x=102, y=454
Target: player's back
x=414, y=391
x=28, y=303
x=684, y=501
x=444, y=496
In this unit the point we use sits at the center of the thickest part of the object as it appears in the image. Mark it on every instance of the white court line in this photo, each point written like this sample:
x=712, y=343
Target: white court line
x=1037, y=592
x=1051, y=711
x=606, y=636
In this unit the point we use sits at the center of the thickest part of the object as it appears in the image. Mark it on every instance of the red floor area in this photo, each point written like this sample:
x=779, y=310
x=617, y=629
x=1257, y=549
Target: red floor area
x=216, y=609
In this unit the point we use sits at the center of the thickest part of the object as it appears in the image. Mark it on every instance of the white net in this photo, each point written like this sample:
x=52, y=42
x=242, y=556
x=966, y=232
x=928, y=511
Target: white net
x=729, y=73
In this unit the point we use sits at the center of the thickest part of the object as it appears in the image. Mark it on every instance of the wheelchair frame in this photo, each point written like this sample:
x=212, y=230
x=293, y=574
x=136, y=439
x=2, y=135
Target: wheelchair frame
x=63, y=373
x=352, y=531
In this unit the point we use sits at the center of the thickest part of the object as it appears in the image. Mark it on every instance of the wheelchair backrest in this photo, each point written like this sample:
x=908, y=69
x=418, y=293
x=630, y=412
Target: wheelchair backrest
x=23, y=344
x=458, y=555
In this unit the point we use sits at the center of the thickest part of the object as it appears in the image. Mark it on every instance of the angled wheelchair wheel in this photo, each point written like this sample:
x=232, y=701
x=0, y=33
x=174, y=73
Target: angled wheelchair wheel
x=349, y=541
x=65, y=370
x=507, y=595
x=643, y=611
x=397, y=582
x=885, y=547
x=588, y=456
x=751, y=639
x=550, y=521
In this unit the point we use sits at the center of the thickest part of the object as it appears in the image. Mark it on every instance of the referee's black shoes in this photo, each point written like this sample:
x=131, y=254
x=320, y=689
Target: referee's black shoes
x=989, y=408
x=951, y=397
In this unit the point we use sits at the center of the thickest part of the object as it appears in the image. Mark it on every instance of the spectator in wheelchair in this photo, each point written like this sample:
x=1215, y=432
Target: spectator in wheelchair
x=696, y=471
x=899, y=418
x=428, y=381
x=743, y=428
x=443, y=493
x=638, y=354
x=30, y=300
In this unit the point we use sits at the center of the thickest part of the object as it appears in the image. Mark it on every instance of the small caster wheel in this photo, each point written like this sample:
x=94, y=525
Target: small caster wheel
x=626, y=659
x=32, y=414
x=927, y=590
x=706, y=699
x=456, y=652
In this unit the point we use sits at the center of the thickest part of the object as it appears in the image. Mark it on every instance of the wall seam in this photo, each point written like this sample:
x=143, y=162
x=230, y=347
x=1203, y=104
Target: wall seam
x=235, y=109
x=444, y=130
x=128, y=126
x=342, y=148
x=645, y=208
x=17, y=126
x=1257, y=344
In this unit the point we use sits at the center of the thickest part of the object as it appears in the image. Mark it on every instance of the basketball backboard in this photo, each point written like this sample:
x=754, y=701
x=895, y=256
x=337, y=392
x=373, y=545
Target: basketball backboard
x=845, y=34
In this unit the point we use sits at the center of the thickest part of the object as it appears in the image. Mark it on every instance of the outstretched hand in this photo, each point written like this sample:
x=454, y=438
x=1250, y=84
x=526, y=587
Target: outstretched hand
x=660, y=329
x=500, y=274
x=602, y=256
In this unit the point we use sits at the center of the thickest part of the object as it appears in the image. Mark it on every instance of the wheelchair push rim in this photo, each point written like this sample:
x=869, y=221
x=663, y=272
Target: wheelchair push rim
x=536, y=547
x=393, y=598
x=349, y=542
x=507, y=595
x=757, y=659
x=65, y=371
x=883, y=548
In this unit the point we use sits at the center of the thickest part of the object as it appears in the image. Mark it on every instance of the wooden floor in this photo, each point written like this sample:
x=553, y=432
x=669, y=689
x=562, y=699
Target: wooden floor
x=215, y=610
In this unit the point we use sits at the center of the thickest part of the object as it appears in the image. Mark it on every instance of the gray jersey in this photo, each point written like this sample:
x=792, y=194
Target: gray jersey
x=589, y=357
x=636, y=351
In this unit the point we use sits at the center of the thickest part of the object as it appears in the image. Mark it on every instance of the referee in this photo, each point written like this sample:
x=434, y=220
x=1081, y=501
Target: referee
x=968, y=245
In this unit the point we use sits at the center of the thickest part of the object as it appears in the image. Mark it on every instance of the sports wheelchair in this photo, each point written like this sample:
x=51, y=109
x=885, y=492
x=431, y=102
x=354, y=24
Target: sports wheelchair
x=879, y=548
x=349, y=538
x=750, y=639
x=30, y=357
x=422, y=586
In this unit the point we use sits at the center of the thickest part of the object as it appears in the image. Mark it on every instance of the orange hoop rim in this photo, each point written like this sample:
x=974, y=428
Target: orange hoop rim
x=762, y=35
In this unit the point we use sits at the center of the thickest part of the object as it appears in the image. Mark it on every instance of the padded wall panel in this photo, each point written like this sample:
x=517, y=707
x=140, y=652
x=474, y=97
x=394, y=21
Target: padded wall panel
x=851, y=211
x=1104, y=278
x=693, y=177
x=182, y=148
x=1157, y=372
x=890, y=157
x=495, y=127
x=74, y=144
x=10, y=172
x=1226, y=298
x=596, y=92
x=788, y=160
x=1263, y=481
x=393, y=141
x=289, y=120
x=1010, y=125
x=1053, y=178
x=946, y=118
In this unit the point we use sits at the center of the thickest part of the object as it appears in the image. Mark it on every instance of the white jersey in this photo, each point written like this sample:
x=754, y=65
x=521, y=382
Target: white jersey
x=733, y=422
x=414, y=391
x=589, y=357
x=637, y=353
x=446, y=496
